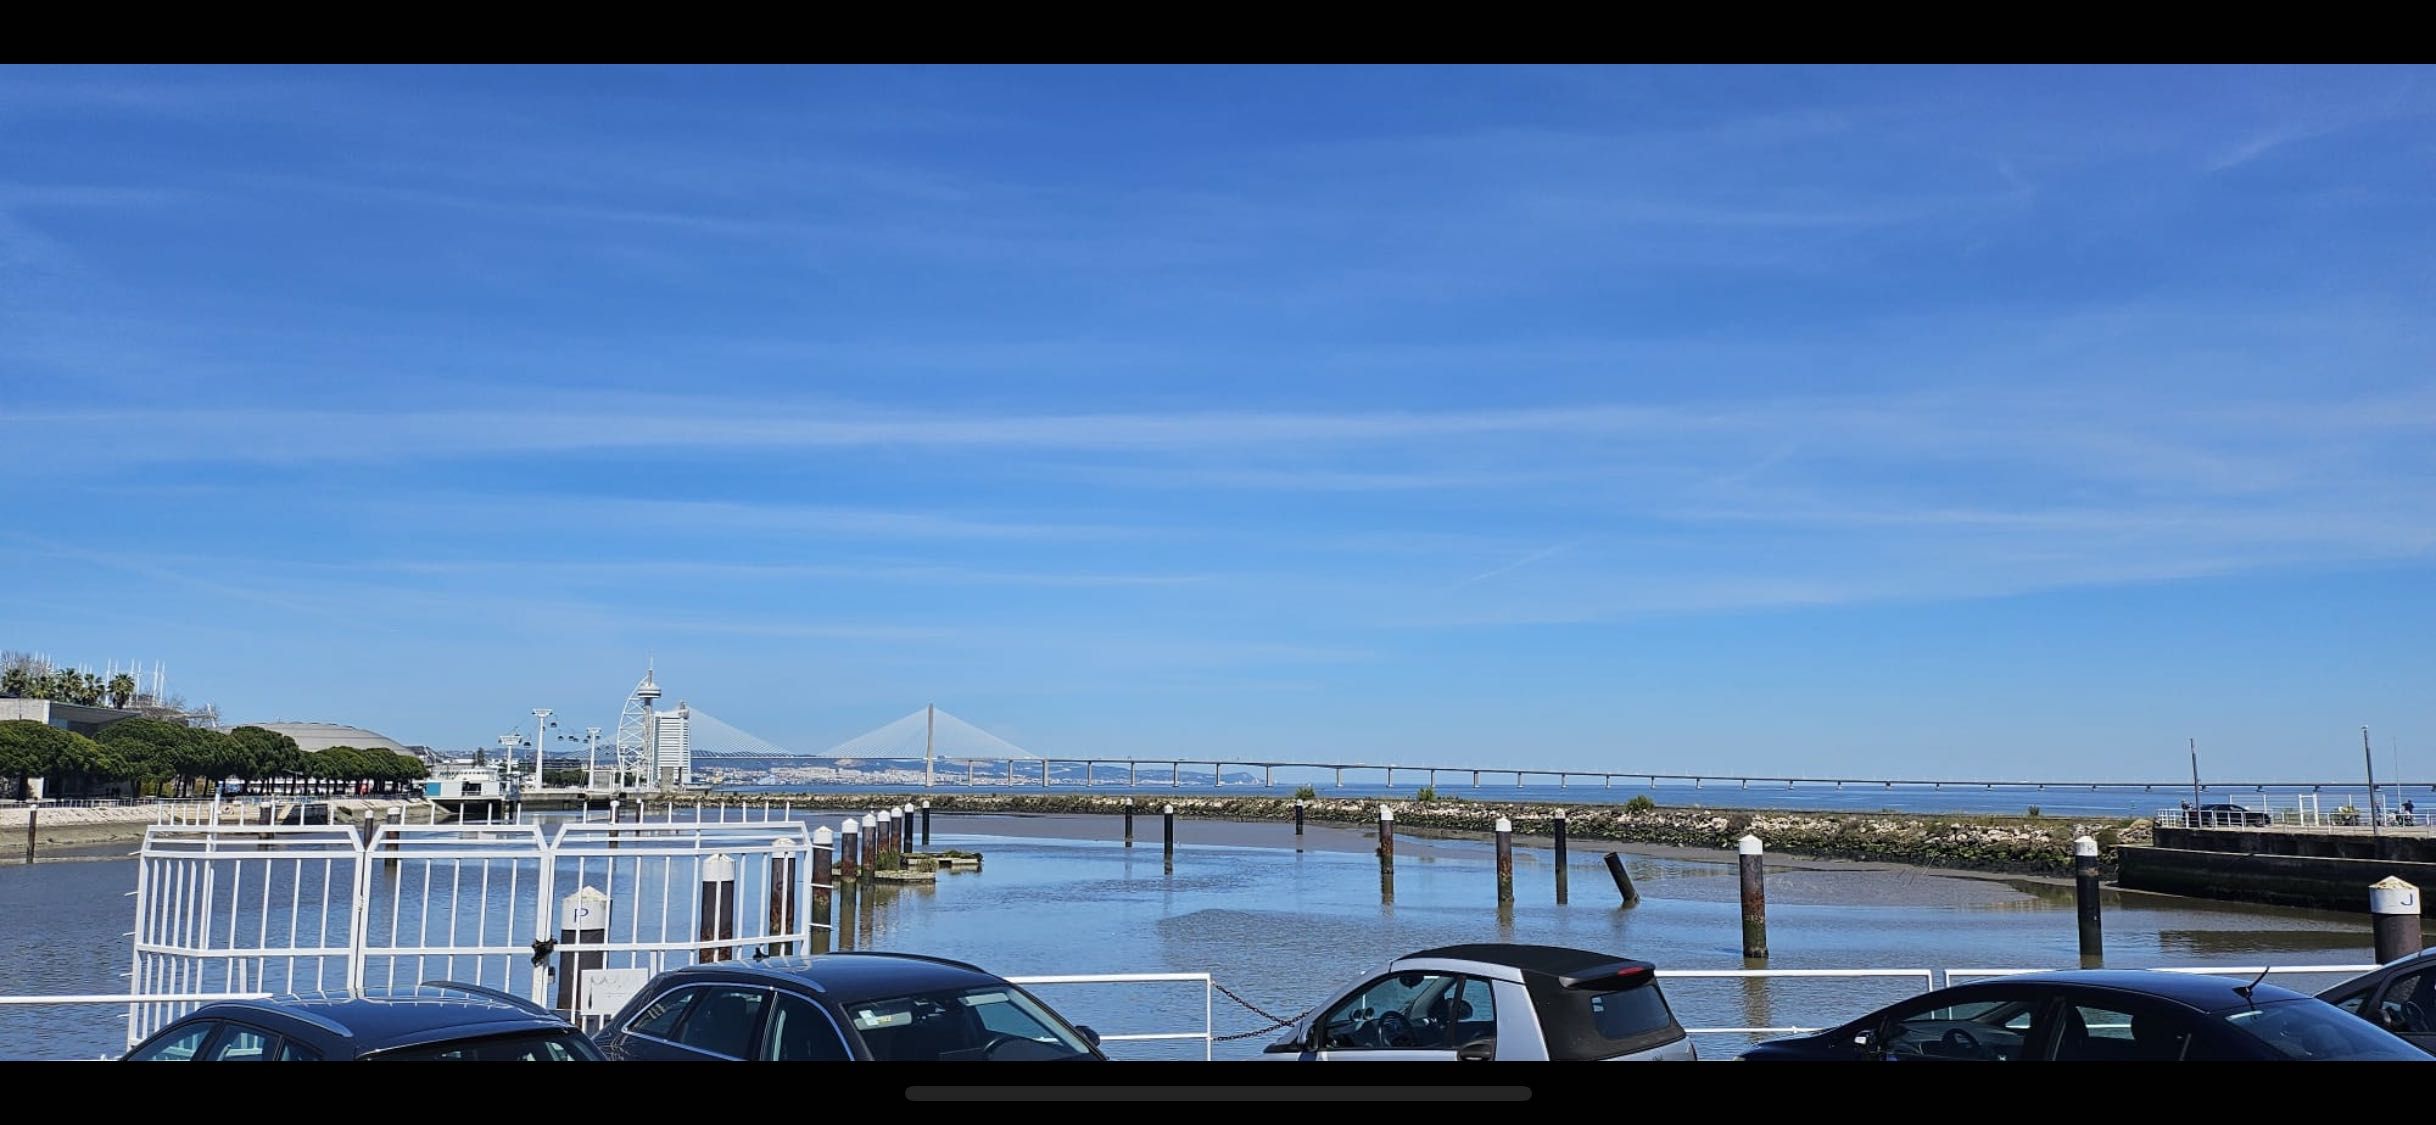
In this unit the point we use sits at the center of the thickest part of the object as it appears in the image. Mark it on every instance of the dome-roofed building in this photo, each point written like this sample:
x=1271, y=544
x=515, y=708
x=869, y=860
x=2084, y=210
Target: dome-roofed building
x=312, y=737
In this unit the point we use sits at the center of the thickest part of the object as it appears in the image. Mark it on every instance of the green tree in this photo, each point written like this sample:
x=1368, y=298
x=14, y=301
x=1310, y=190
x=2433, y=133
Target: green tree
x=267, y=753
x=214, y=757
x=27, y=749
x=157, y=751
x=21, y=681
x=122, y=689
x=82, y=759
x=67, y=685
x=343, y=765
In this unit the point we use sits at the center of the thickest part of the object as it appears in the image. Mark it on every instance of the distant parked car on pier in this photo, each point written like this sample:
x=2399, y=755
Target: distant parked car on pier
x=841, y=1007
x=2400, y=997
x=2228, y=816
x=435, y=1022
x=2101, y=1016
x=1497, y=1002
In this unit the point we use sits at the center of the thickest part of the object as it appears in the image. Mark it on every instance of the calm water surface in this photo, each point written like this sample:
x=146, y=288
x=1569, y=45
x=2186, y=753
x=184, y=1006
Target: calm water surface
x=1283, y=927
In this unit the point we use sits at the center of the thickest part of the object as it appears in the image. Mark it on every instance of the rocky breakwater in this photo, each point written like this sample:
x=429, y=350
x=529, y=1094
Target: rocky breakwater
x=2019, y=844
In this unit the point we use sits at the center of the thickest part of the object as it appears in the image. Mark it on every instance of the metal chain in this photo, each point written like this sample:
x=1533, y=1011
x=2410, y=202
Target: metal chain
x=1275, y=1021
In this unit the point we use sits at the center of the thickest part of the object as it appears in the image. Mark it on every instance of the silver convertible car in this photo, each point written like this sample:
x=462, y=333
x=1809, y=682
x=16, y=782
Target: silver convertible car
x=1494, y=1002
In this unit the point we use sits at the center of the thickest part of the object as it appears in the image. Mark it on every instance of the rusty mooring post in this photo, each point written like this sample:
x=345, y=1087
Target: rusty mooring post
x=1623, y=878
x=824, y=870
x=1168, y=814
x=33, y=818
x=1387, y=854
x=782, y=898
x=2085, y=875
x=849, y=873
x=1563, y=889
x=583, y=919
x=1505, y=863
x=1754, y=899
x=1298, y=824
x=718, y=908
x=1129, y=822
x=2394, y=910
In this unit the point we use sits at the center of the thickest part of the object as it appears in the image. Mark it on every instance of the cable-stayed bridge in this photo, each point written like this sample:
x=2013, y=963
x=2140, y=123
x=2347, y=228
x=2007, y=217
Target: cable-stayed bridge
x=933, y=747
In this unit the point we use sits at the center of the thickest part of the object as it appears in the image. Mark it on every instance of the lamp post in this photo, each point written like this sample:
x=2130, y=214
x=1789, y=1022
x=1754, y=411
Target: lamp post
x=592, y=750
x=2196, y=801
x=2370, y=757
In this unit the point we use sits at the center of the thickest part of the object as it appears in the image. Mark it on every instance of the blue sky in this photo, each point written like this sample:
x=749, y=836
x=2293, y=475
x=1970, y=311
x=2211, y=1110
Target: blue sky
x=1937, y=422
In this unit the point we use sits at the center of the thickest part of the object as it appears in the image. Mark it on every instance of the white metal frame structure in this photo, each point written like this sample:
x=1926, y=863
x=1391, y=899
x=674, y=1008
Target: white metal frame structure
x=238, y=910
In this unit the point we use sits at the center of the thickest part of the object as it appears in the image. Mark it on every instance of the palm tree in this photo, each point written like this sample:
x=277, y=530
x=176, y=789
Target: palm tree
x=122, y=689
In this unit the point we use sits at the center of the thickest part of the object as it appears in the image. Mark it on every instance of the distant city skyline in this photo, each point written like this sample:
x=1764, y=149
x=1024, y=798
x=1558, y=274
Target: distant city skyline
x=1915, y=421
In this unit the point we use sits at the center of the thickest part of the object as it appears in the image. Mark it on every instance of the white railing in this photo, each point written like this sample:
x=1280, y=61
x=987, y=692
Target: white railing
x=1206, y=1035
x=1927, y=979
x=2312, y=811
x=239, y=908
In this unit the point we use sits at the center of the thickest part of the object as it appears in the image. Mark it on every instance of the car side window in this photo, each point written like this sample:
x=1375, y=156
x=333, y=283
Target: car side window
x=2113, y=1031
x=1994, y=1029
x=2352, y=1002
x=724, y=1021
x=659, y=1018
x=293, y=1051
x=181, y=1045
x=800, y=1032
x=1404, y=1011
x=2407, y=1001
x=241, y=1044
x=1471, y=1013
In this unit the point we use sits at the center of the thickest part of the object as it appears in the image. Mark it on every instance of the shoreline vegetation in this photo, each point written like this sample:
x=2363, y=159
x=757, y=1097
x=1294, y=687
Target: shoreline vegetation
x=2018, y=845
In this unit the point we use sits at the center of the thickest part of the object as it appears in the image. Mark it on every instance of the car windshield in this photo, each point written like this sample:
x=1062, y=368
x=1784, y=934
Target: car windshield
x=2315, y=1030
x=994, y=1023
x=547, y=1046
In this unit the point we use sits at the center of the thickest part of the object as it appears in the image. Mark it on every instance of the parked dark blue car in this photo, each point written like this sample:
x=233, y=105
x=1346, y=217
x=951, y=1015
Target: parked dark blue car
x=2101, y=1016
x=841, y=1007
x=434, y=1022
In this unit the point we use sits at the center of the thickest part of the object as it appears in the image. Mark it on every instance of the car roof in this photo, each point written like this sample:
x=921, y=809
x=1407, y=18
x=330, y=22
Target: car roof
x=2204, y=991
x=383, y=1018
x=851, y=976
x=1530, y=960
x=2415, y=962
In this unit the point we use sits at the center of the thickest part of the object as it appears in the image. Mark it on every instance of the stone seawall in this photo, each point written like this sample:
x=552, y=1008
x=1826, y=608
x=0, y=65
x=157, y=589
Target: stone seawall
x=2041, y=845
x=2321, y=882
x=61, y=828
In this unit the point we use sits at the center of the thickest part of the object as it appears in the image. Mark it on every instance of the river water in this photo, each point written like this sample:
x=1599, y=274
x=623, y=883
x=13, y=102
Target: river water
x=1283, y=926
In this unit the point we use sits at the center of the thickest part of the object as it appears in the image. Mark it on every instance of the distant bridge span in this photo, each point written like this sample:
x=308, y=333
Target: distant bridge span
x=1041, y=770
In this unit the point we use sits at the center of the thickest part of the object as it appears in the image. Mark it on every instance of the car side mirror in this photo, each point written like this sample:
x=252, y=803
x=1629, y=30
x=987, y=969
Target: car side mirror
x=1089, y=1036
x=1478, y=1050
x=1290, y=1045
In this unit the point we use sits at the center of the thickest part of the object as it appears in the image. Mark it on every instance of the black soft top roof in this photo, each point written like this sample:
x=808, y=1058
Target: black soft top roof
x=1541, y=960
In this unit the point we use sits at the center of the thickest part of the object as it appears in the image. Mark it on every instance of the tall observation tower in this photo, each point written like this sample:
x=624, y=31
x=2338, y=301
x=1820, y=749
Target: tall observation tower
x=638, y=749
